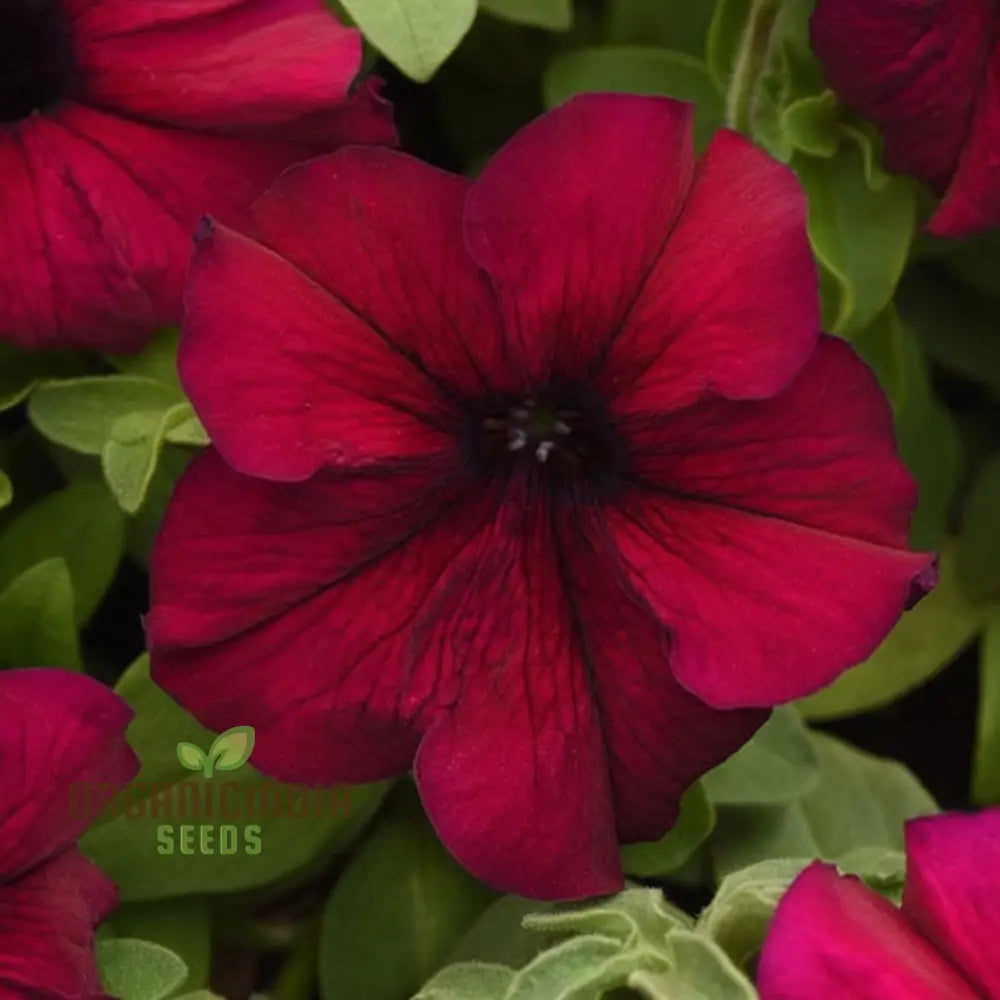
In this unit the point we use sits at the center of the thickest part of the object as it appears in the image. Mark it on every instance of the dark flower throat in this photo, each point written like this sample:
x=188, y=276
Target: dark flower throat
x=37, y=68
x=562, y=436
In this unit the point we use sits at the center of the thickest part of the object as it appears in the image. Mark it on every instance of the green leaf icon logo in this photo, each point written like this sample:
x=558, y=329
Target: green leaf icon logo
x=190, y=756
x=232, y=748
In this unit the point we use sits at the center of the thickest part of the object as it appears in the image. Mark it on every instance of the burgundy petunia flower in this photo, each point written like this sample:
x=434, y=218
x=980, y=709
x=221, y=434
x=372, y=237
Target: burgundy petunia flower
x=833, y=938
x=60, y=733
x=522, y=482
x=123, y=121
x=928, y=74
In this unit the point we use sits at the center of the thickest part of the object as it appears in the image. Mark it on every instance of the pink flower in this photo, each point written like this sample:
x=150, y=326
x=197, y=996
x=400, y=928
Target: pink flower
x=525, y=483
x=123, y=121
x=927, y=72
x=59, y=733
x=832, y=938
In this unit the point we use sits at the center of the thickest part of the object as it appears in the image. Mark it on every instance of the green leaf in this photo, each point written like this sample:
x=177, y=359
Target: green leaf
x=701, y=971
x=693, y=826
x=190, y=756
x=396, y=911
x=498, y=935
x=738, y=917
x=954, y=324
x=925, y=641
x=416, y=35
x=633, y=917
x=860, y=801
x=930, y=445
x=978, y=555
x=157, y=360
x=37, y=624
x=778, y=765
x=724, y=36
x=279, y=828
x=180, y=925
x=986, y=766
x=6, y=490
x=186, y=429
x=580, y=967
x=130, y=455
x=883, y=346
x=139, y=970
x=80, y=413
x=21, y=371
x=682, y=26
x=860, y=236
x=556, y=15
x=143, y=526
x=80, y=524
x=813, y=124
x=469, y=981
x=637, y=70
x=231, y=749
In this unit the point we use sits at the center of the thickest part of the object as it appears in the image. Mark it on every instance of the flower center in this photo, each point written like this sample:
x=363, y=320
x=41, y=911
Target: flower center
x=562, y=435
x=37, y=67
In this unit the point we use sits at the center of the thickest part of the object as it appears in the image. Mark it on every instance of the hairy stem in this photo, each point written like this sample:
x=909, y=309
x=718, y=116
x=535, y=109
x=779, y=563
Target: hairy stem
x=751, y=58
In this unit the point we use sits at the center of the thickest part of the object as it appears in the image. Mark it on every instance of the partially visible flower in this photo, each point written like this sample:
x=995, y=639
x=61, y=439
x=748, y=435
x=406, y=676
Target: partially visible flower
x=123, y=121
x=523, y=482
x=927, y=72
x=833, y=938
x=60, y=732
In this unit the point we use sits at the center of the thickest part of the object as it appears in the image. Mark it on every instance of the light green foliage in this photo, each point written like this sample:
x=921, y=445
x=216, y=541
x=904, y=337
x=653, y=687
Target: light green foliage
x=397, y=910
x=416, y=35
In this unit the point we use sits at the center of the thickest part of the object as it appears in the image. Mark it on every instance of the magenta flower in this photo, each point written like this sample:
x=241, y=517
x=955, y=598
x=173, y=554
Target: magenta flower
x=123, y=121
x=59, y=732
x=832, y=938
x=927, y=72
x=545, y=485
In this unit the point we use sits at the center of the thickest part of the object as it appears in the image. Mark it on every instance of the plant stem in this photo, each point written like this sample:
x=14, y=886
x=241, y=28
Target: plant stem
x=751, y=58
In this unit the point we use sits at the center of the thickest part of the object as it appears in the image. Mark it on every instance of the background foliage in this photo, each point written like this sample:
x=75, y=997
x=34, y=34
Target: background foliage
x=370, y=904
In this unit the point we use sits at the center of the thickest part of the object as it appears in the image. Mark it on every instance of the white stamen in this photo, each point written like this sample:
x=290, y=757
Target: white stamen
x=516, y=439
x=543, y=451
x=561, y=427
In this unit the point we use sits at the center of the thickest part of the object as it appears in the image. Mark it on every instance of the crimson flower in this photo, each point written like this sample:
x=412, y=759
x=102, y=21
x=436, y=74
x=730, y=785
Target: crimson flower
x=835, y=939
x=123, y=121
x=545, y=485
x=58, y=731
x=928, y=74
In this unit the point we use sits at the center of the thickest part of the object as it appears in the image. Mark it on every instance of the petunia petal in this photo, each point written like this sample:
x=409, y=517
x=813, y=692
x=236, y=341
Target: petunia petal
x=234, y=552
x=63, y=737
x=257, y=64
x=47, y=921
x=912, y=68
x=27, y=302
x=568, y=218
x=820, y=454
x=659, y=738
x=383, y=233
x=972, y=202
x=731, y=306
x=102, y=209
x=832, y=938
x=761, y=611
x=299, y=609
x=287, y=379
x=515, y=776
x=953, y=890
